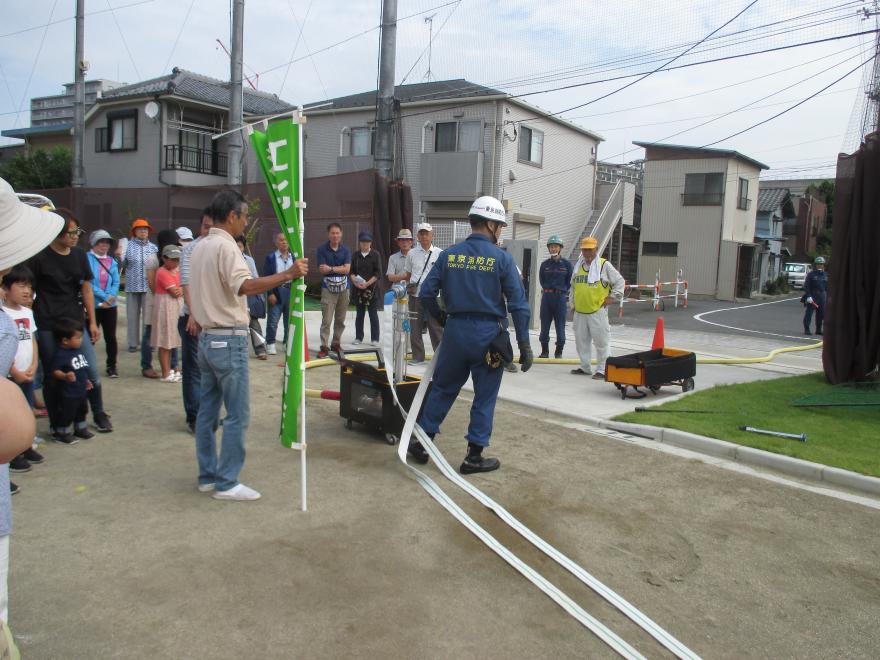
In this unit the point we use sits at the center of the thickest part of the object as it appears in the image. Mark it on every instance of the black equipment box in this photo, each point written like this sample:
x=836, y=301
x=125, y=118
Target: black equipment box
x=366, y=397
x=651, y=369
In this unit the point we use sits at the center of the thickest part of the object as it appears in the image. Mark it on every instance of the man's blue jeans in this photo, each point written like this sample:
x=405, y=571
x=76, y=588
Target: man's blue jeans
x=223, y=361
x=189, y=349
x=280, y=310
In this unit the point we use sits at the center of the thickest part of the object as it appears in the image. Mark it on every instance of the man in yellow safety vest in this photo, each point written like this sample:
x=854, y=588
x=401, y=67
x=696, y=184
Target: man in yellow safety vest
x=595, y=285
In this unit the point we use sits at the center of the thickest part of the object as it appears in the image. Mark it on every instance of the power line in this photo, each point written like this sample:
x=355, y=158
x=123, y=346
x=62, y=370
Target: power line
x=176, y=39
x=799, y=103
x=296, y=43
x=34, y=65
x=355, y=36
x=431, y=41
x=124, y=42
x=70, y=18
x=662, y=66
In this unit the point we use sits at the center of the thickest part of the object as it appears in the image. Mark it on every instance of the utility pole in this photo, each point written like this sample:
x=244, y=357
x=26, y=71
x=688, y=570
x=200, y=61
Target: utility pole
x=235, y=90
x=79, y=99
x=385, y=101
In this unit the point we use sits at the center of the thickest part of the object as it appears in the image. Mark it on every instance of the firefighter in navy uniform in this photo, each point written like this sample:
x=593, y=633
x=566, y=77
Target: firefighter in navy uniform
x=476, y=277
x=555, y=277
x=815, y=292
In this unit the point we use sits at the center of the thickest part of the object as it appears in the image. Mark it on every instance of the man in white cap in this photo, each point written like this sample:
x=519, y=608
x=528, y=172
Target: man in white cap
x=419, y=262
x=185, y=235
x=24, y=231
x=396, y=271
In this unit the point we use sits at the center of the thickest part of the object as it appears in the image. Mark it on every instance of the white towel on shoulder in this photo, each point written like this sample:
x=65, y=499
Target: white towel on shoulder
x=595, y=271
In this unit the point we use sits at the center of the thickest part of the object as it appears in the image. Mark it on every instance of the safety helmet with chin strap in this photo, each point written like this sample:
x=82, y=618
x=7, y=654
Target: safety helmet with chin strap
x=488, y=208
x=555, y=240
x=820, y=260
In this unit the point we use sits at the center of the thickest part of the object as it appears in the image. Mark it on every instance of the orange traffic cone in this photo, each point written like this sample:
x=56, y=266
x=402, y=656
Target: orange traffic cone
x=659, y=341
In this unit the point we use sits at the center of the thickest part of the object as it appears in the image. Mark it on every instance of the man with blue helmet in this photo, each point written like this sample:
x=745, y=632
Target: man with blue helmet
x=480, y=285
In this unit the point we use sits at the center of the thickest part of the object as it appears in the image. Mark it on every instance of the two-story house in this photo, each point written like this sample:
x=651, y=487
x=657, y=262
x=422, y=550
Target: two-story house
x=775, y=208
x=158, y=134
x=457, y=140
x=698, y=215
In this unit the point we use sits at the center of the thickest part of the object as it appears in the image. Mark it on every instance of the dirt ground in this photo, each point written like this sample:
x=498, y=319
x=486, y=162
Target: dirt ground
x=116, y=555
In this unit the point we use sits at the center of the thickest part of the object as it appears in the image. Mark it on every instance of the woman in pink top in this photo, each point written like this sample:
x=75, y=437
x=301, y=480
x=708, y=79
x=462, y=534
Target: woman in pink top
x=167, y=305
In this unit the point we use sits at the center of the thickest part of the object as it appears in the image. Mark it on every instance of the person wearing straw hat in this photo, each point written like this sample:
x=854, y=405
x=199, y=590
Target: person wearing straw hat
x=24, y=231
x=396, y=271
x=137, y=251
x=595, y=285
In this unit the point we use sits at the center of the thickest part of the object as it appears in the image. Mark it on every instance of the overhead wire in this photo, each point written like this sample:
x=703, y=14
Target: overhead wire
x=177, y=38
x=70, y=18
x=431, y=41
x=296, y=43
x=124, y=41
x=30, y=77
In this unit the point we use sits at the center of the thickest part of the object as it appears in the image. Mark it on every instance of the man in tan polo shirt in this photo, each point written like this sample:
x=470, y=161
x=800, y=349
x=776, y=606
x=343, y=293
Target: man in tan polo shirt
x=219, y=283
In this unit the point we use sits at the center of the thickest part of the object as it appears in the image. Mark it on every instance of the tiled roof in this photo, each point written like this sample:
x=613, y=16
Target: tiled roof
x=197, y=87
x=770, y=199
x=418, y=92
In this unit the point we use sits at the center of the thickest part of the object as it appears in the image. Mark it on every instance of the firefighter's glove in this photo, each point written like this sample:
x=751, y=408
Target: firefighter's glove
x=809, y=300
x=526, y=357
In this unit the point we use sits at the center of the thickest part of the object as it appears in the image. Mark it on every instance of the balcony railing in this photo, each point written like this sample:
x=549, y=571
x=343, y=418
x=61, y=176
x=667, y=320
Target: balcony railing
x=702, y=199
x=193, y=159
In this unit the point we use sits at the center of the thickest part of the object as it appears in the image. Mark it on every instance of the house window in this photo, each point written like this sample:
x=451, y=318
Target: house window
x=361, y=143
x=531, y=146
x=703, y=189
x=101, y=142
x=123, y=130
x=458, y=135
x=650, y=249
x=742, y=199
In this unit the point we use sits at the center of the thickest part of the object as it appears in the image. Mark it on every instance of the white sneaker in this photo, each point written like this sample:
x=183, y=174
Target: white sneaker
x=357, y=342
x=239, y=493
x=206, y=488
x=270, y=349
x=170, y=378
x=375, y=342
x=178, y=377
x=416, y=363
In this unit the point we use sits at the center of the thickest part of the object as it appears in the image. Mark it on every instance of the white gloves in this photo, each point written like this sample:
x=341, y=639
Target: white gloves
x=809, y=300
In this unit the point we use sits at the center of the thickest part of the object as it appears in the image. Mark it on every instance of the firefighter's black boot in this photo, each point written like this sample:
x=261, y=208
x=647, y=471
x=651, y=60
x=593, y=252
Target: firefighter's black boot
x=475, y=462
x=545, y=349
x=558, y=353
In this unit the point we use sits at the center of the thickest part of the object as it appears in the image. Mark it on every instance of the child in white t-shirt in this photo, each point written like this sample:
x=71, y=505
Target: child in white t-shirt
x=18, y=290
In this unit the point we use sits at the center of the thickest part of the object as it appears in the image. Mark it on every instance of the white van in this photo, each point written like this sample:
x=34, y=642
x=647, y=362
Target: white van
x=796, y=274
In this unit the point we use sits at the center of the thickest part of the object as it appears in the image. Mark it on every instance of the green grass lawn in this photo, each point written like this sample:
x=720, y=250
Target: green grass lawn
x=847, y=438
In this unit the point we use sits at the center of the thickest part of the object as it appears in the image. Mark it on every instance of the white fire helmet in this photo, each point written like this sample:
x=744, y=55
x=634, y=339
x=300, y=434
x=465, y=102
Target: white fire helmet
x=489, y=208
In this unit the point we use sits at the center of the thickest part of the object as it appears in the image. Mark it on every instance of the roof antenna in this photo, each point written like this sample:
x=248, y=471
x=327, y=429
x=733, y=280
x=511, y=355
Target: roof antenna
x=430, y=21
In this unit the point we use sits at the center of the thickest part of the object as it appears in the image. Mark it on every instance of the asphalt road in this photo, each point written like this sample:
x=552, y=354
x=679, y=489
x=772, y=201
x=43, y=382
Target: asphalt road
x=780, y=318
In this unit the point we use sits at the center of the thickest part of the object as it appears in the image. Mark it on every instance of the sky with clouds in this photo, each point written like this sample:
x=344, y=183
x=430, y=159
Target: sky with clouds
x=520, y=46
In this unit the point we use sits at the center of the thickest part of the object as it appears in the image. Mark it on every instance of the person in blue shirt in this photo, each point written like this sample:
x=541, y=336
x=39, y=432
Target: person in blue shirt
x=334, y=264
x=815, y=290
x=555, y=277
x=476, y=277
x=105, y=285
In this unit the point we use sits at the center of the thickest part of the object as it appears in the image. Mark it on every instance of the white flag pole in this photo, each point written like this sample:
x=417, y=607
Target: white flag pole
x=300, y=118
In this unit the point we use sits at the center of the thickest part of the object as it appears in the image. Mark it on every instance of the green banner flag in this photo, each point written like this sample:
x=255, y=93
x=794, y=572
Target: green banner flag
x=280, y=157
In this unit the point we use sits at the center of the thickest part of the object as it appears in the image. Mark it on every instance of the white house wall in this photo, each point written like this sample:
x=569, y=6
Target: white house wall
x=563, y=194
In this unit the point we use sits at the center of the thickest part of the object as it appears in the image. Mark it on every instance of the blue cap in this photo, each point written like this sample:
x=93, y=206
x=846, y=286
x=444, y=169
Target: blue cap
x=365, y=236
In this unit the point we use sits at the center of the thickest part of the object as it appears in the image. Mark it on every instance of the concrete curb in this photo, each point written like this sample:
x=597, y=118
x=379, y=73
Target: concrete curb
x=795, y=467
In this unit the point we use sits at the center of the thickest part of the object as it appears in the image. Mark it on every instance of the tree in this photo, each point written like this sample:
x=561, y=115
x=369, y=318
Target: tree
x=826, y=191
x=39, y=169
